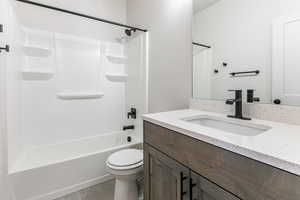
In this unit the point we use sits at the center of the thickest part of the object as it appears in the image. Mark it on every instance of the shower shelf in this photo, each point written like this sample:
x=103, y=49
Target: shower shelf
x=117, y=59
x=37, y=75
x=33, y=51
x=70, y=96
x=117, y=77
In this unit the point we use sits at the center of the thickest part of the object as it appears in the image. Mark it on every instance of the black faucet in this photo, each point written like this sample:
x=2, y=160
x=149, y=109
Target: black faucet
x=238, y=105
x=132, y=113
x=250, y=96
x=131, y=127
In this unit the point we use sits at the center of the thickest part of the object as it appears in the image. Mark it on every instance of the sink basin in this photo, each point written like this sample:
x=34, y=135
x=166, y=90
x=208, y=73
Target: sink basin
x=229, y=125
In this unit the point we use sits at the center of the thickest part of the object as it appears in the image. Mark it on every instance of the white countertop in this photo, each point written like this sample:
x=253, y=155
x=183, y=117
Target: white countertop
x=279, y=146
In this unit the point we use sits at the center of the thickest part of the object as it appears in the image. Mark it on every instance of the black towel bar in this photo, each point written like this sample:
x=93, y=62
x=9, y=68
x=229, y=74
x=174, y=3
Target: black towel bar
x=256, y=72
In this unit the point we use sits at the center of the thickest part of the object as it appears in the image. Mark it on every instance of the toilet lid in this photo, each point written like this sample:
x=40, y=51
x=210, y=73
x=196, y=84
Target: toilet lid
x=126, y=157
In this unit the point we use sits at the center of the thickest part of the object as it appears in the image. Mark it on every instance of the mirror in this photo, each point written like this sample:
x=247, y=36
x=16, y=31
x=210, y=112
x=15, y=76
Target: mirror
x=248, y=45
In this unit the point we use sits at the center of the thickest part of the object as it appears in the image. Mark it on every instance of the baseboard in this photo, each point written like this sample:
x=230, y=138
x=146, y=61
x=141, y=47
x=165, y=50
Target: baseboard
x=74, y=188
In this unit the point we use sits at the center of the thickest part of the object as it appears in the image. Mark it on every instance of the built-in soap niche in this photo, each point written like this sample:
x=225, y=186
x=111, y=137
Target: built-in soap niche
x=32, y=75
x=119, y=63
x=78, y=96
x=36, y=55
x=117, y=77
x=117, y=59
x=38, y=51
x=116, y=63
x=33, y=51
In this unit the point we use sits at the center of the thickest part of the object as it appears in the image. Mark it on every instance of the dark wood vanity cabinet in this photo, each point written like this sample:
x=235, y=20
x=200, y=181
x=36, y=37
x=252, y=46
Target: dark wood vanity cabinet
x=167, y=179
x=178, y=167
x=203, y=189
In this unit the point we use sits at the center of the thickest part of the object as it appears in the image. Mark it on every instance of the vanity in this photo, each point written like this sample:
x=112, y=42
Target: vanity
x=197, y=155
x=245, y=65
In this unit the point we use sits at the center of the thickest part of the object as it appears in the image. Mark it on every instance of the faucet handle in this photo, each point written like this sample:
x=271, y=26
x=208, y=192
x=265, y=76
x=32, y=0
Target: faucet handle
x=238, y=94
x=234, y=90
x=250, y=96
x=230, y=101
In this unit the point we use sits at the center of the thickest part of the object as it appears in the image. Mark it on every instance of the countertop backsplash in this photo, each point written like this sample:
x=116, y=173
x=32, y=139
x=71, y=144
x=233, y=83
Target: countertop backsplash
x=276, y=113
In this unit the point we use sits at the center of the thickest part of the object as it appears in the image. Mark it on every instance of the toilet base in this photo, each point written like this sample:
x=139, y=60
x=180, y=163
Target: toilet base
x=126, y=189
x=127, y=167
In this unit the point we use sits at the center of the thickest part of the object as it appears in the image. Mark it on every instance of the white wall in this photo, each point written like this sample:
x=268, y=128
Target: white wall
x=3, y=140
x=47, y=119
x=170, y=50
x=13, y=85
x=3, y=164
x=3, y=131
x=240, y=33
x=10, y=101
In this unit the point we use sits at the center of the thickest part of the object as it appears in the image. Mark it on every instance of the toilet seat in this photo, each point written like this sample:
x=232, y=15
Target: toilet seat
x=125, y=159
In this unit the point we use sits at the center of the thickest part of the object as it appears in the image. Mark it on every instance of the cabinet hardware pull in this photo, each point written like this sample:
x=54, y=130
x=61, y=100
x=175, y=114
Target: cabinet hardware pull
x=182, y=178
x=192, y=185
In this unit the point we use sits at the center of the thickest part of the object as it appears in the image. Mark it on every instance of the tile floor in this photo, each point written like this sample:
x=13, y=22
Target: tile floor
x=102, y=191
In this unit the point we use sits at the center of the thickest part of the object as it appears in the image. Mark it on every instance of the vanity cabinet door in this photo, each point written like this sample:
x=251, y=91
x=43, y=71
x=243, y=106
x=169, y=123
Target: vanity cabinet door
x=165, y=179
x=203, y=189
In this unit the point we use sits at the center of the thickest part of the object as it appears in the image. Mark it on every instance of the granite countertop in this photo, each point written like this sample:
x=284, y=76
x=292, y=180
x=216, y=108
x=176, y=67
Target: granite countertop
x=278, y=146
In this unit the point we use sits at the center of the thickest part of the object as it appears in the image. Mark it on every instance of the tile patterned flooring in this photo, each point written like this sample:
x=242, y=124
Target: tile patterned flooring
x=102, y=191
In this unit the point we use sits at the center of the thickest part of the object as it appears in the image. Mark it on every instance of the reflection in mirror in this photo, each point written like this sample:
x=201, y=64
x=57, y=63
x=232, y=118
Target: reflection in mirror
x=248, y=45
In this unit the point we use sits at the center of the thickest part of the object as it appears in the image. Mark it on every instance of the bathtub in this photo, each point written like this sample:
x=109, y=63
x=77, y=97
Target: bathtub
x=49, y=172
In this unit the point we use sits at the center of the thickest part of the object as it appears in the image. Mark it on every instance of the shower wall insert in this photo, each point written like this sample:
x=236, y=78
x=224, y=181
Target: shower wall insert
x=68, y=139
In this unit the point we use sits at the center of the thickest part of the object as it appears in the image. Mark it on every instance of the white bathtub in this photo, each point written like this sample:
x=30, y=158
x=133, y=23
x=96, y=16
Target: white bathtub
x=49, y=172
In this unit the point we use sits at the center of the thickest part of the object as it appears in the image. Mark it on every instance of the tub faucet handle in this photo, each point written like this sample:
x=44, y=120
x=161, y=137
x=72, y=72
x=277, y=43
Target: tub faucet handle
x=132, y=113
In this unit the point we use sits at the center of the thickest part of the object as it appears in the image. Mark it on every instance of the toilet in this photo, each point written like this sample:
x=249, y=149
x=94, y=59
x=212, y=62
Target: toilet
x=127, y=166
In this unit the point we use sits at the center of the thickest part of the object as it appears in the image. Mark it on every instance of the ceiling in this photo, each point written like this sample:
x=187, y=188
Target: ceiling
x=202, y=4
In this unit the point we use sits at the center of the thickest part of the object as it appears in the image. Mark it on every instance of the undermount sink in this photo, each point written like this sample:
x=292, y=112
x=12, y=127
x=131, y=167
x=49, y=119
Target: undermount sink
x=229, y=125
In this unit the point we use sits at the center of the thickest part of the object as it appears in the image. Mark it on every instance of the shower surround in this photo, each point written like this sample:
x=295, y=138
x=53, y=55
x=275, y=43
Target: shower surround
x=70, y=83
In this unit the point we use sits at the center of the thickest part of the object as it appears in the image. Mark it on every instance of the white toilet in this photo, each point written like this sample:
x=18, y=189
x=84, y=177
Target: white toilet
x=127, y=166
